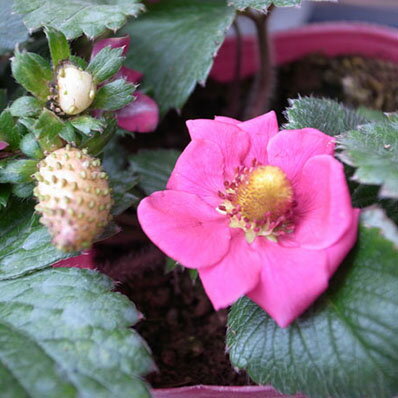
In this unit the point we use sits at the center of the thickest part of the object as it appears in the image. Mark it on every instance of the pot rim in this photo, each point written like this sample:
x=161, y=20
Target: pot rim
x=330, y=38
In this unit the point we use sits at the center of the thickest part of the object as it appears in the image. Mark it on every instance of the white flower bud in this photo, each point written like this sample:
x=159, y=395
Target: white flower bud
x=76, y=89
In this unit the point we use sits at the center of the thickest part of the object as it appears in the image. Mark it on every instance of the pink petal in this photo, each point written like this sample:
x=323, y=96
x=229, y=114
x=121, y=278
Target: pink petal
x=141, y=115
x=235, y=275
x=200, y=170
x=324, y=210
x=114, y=42
x=290, y=149
x=225, y=119
x=3, y=145
x=340, y=249
x=185, y=228
x=233, y=142
x=291, y=280
x=131, y=75
x=260, y=129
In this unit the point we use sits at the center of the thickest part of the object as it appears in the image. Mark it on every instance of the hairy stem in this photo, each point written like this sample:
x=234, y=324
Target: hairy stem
x=260, y=91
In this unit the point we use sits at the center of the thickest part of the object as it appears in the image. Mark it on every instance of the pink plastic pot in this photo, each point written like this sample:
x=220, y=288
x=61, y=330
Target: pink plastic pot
x=331, y=39
x=221, y=392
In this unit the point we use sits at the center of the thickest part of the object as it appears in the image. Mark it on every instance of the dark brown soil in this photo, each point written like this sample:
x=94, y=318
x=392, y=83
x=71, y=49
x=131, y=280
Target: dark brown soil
x=185, y=334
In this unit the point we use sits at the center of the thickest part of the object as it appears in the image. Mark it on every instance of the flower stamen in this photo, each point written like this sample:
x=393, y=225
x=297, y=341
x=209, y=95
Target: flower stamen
x=259, y=200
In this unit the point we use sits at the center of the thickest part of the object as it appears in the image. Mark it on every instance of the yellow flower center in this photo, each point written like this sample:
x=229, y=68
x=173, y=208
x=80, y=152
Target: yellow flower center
x=259, y=201
x=265, y=190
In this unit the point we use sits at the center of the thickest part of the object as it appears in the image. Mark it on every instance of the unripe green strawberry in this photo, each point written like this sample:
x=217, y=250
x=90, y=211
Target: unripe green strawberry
x=75, y=89
x=74, y=197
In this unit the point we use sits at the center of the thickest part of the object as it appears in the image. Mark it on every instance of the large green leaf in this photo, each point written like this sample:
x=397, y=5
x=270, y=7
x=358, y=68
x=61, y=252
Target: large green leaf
x=121, y=176
x=154, y=168
x=12, y=29
x=75, y=17
x=24, y=243
x=323, y=114
x=373, y=150
x=346, y=344
x=175, y=46
x=64, y=334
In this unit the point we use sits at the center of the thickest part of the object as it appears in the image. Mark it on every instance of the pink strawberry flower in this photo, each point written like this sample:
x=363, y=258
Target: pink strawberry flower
x=3, y=145
x=258, y=212
x=141, y=115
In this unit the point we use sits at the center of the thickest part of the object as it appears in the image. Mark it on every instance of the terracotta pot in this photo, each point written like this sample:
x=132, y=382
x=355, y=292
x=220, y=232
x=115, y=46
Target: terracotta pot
x=331, y=39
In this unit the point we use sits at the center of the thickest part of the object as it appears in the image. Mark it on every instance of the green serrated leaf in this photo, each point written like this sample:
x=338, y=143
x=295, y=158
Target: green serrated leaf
x=68, y=133
x=9, y=131
x=24, y=243
x=256, y=4
x=263, y=5
x=33, y=73
x=345, y=345
x=47, y=129
x=30, y=147
x=178, y=40
x=23, y=190
x=12, y=29
x=64, y=334
x=154, y=168
x=96, y=144
x=25, y=106
x=16, y=171
x=3, y=99
x=5, y=191
x=121, y=177
x=373, y=150
x=87, y=124
x=80, y=62
x=58, y=45
x=170, y=265
x=106, y=63
x=75, y=17
x=323, y=114
x=114, y=95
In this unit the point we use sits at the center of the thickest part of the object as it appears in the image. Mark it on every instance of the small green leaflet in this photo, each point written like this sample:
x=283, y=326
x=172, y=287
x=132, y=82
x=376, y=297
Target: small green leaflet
x=323, y=114
x=373, y=150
